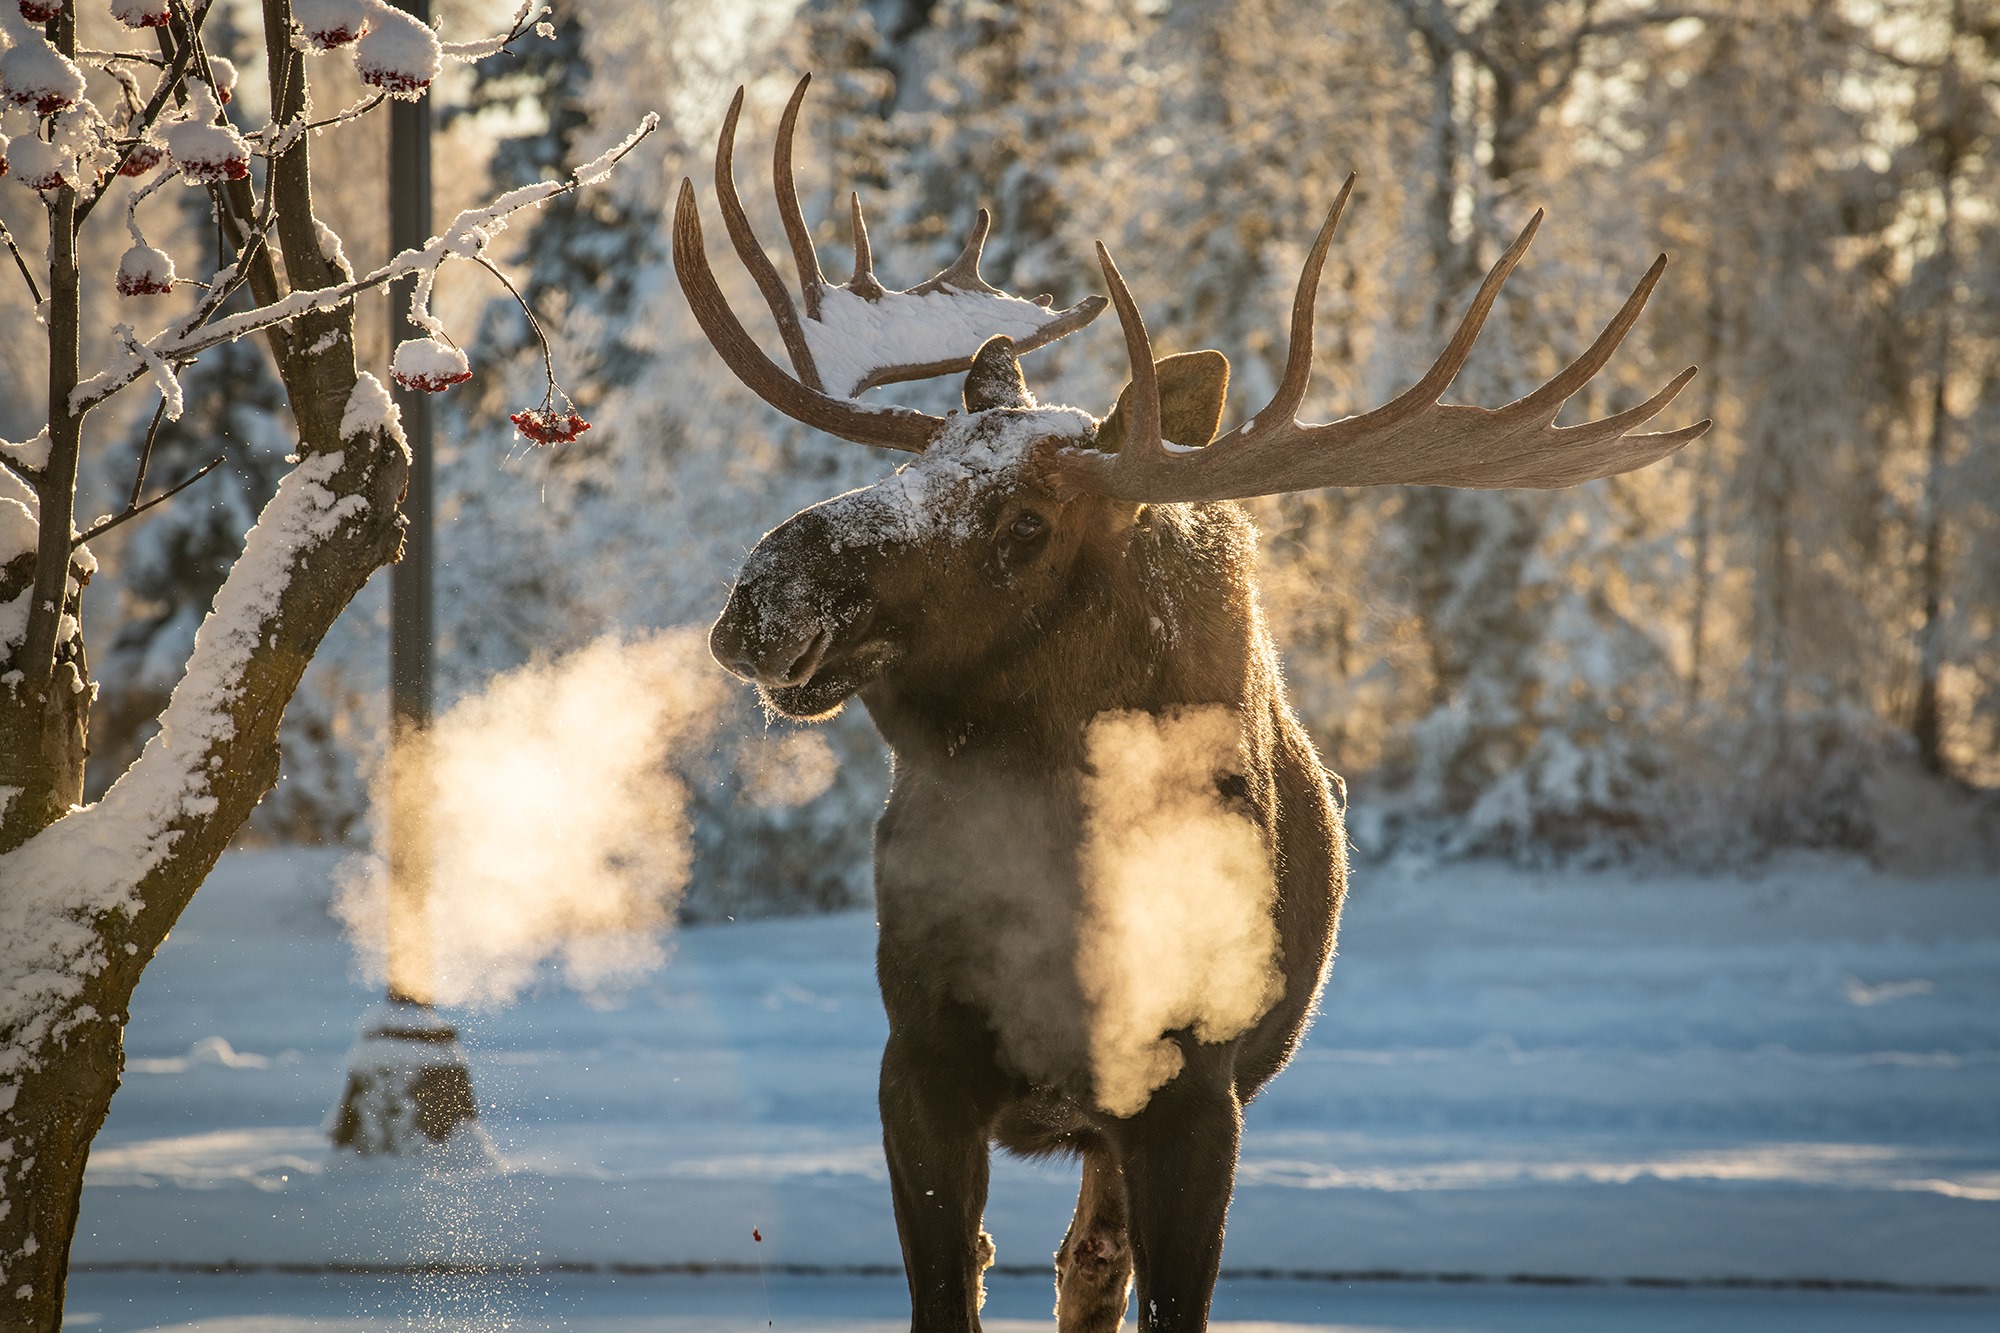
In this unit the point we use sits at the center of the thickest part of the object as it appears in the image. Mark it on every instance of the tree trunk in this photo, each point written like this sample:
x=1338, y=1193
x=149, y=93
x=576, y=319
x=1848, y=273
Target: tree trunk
x=99, y=887
x=44, y=713
x=1926, y=722
x=61, y=1069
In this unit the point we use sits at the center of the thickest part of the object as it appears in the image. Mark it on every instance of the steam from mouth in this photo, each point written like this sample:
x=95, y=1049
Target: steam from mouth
x=559, y=827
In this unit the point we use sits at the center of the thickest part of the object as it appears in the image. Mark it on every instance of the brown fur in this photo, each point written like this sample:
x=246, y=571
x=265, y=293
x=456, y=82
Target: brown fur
x=982, y=659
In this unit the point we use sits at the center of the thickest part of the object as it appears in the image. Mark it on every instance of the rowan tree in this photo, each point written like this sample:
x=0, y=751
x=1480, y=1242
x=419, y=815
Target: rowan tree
x=88, y=892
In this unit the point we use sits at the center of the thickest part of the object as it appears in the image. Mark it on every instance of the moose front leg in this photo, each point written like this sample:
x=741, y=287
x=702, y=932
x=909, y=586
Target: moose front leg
x=1179, y=1161
x=934, y=1135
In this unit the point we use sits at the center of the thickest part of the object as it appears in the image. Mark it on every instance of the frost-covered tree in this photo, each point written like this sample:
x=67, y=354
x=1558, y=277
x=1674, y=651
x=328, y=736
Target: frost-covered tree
x=88, y=892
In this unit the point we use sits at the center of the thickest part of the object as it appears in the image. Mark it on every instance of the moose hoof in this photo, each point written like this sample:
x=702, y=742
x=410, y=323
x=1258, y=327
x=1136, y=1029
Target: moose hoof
x=1093, y=1275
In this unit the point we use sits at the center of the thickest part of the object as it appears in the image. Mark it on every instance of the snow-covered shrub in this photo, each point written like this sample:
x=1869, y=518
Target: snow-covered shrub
x=330, y=23
x=141, y=13
x=143, y=158
x=41, y=166
x=205, y=147
x=36, y=77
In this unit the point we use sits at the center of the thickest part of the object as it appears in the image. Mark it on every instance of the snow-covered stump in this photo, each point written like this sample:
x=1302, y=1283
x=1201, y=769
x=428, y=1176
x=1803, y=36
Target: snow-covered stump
x=408, y=1091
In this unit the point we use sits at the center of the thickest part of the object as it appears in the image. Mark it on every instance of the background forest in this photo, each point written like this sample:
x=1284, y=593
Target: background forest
x=1784, y=636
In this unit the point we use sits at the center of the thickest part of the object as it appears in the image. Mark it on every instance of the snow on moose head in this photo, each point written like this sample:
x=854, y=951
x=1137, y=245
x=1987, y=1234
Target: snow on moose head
x=955, y=559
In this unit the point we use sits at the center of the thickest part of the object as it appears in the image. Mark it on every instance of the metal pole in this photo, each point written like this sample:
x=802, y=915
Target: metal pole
x=411, y=613
x=407, y=1083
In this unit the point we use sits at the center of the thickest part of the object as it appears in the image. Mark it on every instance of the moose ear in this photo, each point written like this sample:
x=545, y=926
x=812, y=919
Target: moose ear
x=995, y=379
x=1193, y=389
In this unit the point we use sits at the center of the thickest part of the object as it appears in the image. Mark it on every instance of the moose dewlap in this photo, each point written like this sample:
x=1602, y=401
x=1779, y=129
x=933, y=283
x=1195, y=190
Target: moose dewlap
x=1177, y=930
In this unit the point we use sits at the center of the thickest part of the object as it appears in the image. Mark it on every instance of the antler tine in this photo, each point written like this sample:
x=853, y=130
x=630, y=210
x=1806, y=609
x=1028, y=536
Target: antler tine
x=863, y=283
x=886, y=427
x=841, y=349
x=1142, y=431
x=1444, y=370
x=812, y=282
x=1567, y=382
x=1299, y=349
x=962, y=274
x=762, y=270
x=1557, y=464
x=1412, y=440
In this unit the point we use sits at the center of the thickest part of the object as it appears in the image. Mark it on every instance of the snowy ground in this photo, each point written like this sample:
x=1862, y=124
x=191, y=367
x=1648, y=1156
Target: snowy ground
x=1675, y=1080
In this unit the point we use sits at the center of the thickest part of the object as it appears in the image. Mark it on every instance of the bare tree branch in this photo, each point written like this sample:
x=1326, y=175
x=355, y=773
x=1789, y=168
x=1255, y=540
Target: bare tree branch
x=27, y=275
x=104, y=525
x=146, y=452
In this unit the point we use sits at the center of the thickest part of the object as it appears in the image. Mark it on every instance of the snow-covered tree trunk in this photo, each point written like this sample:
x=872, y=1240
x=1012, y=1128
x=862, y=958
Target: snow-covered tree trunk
x=88, y=893
x=95, y=893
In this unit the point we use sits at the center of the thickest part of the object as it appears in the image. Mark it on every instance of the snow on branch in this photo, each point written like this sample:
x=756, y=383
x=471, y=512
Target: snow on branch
x=527, y=16
x=466, y=238
x=57, y=887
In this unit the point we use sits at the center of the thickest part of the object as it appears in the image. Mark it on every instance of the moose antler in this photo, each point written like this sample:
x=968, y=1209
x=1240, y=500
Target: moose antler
x=1412, y=439
x=860, y=334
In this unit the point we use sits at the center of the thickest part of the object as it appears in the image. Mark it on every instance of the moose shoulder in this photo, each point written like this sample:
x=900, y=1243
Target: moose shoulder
x=1110, y=869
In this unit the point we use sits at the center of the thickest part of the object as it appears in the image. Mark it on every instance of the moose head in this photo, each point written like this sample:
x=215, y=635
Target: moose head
x=957, y=555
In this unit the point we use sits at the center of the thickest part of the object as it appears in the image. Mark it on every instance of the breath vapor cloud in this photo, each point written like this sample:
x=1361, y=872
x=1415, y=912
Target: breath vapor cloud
x=1177, y=897
x=558, y=824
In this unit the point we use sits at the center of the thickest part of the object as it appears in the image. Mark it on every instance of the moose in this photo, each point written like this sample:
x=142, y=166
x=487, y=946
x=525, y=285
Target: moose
x=1110, y=869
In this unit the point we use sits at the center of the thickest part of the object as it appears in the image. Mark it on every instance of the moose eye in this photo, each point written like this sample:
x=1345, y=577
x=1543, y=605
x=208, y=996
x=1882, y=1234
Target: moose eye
x=1027, y=527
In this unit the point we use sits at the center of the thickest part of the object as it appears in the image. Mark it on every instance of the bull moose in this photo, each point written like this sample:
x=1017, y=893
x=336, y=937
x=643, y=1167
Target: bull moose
x=1110, y=870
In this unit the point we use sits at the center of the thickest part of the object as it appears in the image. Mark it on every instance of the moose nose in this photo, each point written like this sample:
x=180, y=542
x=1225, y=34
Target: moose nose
x=773, y=665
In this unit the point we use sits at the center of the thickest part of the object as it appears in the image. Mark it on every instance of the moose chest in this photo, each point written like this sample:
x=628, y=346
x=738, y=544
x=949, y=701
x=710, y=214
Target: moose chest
x=1074, y=918
x=978, y=900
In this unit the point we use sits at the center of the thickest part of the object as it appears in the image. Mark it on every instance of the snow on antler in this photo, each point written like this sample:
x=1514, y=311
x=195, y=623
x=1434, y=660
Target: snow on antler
x=860, y=335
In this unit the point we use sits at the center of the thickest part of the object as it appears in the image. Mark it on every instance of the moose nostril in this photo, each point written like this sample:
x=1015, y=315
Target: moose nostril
x=797, y=660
